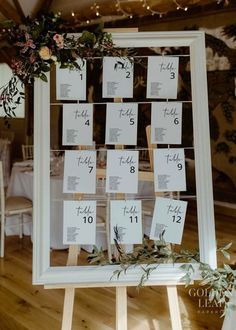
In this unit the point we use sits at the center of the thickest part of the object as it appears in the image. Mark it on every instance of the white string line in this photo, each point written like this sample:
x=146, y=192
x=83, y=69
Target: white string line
x=102, y=103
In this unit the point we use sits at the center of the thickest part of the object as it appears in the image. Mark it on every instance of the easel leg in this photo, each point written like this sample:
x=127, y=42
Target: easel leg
x=121, y=308
x=68, y=309
x=174, y=307
x=69, y=298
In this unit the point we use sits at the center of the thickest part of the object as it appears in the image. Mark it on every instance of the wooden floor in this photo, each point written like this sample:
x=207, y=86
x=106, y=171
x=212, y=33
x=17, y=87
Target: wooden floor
x=27, y=307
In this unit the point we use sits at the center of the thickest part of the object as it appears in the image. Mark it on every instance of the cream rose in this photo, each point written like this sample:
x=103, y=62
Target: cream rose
x=45, y=53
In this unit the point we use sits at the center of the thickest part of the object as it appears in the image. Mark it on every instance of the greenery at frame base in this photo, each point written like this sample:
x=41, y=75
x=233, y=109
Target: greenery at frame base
x=220, y=282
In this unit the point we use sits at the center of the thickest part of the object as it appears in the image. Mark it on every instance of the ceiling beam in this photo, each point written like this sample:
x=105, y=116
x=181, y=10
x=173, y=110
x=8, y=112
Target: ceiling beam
x=9, y=11
x=19, y=9
x=42, y=5
x=4, y=57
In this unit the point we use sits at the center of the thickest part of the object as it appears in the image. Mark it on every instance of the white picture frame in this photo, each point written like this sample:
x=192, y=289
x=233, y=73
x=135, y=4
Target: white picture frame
x=95, y=276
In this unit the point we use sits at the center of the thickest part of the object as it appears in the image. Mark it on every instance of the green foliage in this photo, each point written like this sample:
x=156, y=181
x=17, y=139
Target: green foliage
x=148, y=256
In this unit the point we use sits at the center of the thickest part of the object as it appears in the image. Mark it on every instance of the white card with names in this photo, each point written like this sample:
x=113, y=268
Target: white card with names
x=71, y=84
x=117, y=77
x=79, y=222
x=166, y=123
x=168, y=220
x=121, y=123
x=162, y=77
x=122, y=171
x=77, y=124
x=169, y=169
x=126, y=222
x=80, y=171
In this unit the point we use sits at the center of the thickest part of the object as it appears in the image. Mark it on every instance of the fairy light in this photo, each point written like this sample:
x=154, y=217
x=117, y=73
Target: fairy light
x=120, y=9
x=73, y=14
x=126, y=12
x=95, y=7
x=151, y=10
x=179, y=6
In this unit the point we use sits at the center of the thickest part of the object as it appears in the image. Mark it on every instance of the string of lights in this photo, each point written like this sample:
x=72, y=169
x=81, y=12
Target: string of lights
x=120, y=9
x=123, y=9
x=151, y=10
x=95, y=8
x=179, y=6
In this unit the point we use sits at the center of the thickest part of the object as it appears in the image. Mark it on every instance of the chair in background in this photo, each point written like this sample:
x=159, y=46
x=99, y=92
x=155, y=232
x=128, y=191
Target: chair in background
x=6, y=139
x=12, y=205
x=27, y=151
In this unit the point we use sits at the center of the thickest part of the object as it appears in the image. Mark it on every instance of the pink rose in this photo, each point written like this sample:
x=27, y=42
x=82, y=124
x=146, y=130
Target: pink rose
x=59, y=40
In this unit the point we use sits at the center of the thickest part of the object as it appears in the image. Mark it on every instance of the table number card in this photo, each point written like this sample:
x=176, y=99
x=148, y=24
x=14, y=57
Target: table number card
x=77, y=124
x=80, y=171
x=168, y=220
x=166, y=123
x=162, y=77
x=117, y=77
x=79, y=222
x=122, y=171
x=121, y=123
x=126, y=222
x=71, y=84
x=169, y=170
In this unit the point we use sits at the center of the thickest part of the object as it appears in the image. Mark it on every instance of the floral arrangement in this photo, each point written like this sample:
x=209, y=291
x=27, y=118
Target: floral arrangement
x=41, y=42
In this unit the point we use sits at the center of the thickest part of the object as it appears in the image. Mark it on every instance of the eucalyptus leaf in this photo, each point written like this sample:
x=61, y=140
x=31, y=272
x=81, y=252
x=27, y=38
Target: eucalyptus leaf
x=225, y=254
x=43, y=77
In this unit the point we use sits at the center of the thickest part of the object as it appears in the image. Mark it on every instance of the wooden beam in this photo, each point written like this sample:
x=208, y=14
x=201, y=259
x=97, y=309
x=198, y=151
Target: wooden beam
x=42, y=5
x=19, y=9
x=4, y=57
x=9, y=11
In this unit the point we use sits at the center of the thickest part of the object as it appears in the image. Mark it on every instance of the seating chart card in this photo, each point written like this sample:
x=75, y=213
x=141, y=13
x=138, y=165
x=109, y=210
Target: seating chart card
x=117, y=77
x=169, y=170
x=80, y=171
x=168, y=220
x=122, y=171
x=79, y=222
x=71, y=84
x=162, y=77
x=77, y=124
x=121, y=123
x=126, y=222
x=166, y=123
